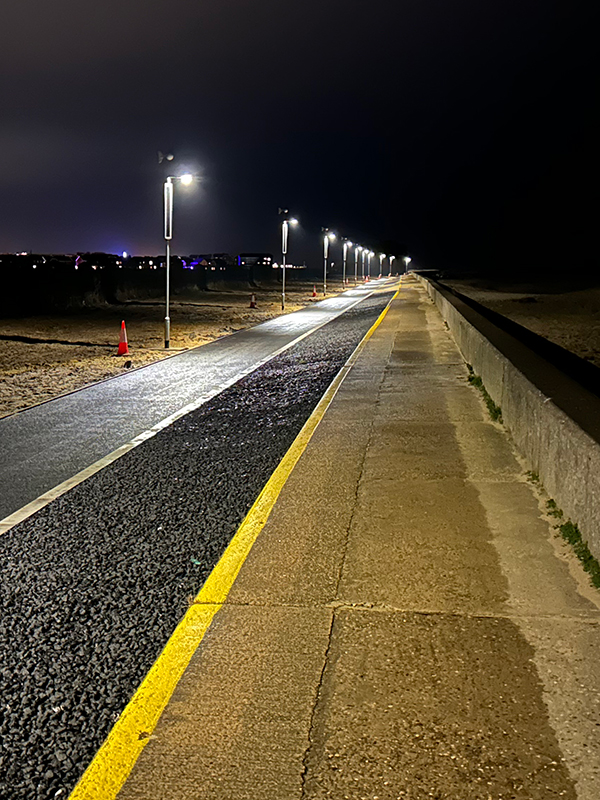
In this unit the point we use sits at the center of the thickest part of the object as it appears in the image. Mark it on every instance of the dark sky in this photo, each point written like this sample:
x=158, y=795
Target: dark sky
x=461, y=127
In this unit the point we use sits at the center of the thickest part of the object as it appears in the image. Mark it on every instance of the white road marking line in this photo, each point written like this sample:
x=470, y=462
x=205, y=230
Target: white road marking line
x=52, y=494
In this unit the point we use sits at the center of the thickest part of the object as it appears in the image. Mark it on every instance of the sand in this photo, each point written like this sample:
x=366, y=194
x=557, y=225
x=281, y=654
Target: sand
x=80, y=348
x=570, y=319
x=77, y=349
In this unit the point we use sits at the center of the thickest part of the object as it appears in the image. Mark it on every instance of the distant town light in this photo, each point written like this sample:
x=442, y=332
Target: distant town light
x=125, y=254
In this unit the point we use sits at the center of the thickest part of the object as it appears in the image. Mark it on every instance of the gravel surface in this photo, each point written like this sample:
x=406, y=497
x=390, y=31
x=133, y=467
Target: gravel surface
x=94, y=584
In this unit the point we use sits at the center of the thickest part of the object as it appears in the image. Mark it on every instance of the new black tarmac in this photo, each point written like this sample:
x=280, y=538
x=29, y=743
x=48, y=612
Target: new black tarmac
x=407, y=625
x=45, y=445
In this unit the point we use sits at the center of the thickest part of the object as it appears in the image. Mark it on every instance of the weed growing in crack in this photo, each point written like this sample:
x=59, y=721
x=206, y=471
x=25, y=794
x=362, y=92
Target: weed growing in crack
x=553, y=509
x=494, y=410
x=571, y=534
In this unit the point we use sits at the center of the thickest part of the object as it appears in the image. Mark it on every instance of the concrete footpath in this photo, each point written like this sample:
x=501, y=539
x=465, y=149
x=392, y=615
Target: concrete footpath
x=406, y=626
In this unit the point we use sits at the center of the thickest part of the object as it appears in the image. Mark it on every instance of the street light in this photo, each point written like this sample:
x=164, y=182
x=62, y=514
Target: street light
x=362, y=262
x=285, y=225
x=370, y=255
x=382, y=258
x=186, y=180
x=347, y=244
x=357, y=249
x=392, y=259
x=407, y=260
x=328, y=236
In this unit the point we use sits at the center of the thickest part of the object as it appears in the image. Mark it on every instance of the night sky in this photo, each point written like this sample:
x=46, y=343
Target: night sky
x=462, y=128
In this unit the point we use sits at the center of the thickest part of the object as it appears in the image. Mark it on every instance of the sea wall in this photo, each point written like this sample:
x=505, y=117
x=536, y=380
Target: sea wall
x=556, y=446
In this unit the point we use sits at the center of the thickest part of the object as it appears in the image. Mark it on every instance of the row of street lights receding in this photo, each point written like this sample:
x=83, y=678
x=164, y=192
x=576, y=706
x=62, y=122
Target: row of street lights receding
x=328, y=236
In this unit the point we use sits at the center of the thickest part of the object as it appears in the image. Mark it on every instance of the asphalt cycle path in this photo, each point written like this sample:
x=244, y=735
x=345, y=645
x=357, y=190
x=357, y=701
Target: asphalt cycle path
x=46, y=445
x=93, y=584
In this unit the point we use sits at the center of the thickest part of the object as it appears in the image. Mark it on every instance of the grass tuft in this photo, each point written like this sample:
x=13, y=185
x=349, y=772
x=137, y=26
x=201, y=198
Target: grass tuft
x=533, y=477
x=495, y=411
x=571, y=534
x=554, y=510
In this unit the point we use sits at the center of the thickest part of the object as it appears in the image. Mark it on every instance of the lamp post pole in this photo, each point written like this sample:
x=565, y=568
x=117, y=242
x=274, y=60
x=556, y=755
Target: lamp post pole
x=381, y=260
x=285, y=227
x=362, y=262
x=392, y=259
x=168, y=206
x=327, y=237
x=168, y=234
x=370, y=255
x=284, y=241
x=347, y=244
x=356, y=249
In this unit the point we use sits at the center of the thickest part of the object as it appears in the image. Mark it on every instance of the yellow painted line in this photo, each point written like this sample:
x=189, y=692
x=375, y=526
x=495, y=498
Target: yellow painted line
x=115, y=759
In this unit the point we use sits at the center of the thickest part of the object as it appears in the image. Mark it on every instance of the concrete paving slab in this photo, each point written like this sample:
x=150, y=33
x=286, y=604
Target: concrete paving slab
x=406, y=625
x=421, y=706
x=230, y=730
x=565, y=654
x=422, y=545
x=487, y=453
x=538, y=574
x=414, y=450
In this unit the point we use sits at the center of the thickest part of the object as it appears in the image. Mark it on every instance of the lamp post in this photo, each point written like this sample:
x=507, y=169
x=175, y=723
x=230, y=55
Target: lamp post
x=168, y=209
x=382, y=258
x=285, y=226
x=347, y=244
x=363, y=255
x=357, y=248
x=370, y=255
x=392, y=259
x=328, y=236
x=407, y=260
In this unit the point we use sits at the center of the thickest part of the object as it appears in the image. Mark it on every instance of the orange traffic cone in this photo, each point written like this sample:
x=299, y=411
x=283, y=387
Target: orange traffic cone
x=314, y=294
x=252, y=301
x=123, y=349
